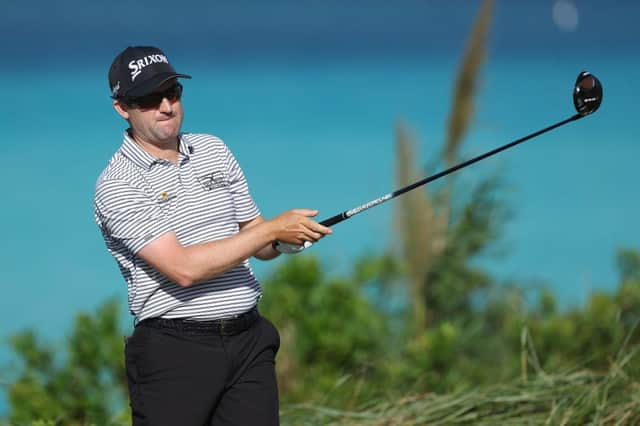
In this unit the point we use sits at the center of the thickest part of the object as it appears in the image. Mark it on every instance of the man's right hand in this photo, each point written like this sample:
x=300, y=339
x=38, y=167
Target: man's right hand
x=296, y=227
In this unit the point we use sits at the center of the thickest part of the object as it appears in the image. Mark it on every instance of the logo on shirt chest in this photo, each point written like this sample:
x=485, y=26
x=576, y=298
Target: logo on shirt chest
x=166, y=196
x=213, y=180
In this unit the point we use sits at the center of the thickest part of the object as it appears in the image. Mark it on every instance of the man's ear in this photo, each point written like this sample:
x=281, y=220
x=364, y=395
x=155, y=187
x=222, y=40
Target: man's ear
x=121, y=109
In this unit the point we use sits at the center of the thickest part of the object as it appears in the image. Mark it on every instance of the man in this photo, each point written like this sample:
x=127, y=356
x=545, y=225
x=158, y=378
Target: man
x=176, y=213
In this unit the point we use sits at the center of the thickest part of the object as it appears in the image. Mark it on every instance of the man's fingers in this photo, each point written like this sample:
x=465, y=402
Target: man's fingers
x=313, y=236
x=323, y=229
x=316, y=227
x=305, y=212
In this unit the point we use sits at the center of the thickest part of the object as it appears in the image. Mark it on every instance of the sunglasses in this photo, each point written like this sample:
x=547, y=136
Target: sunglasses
x=152, y=100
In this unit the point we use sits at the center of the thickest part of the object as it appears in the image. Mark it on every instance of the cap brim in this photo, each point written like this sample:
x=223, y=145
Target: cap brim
x=152, y=84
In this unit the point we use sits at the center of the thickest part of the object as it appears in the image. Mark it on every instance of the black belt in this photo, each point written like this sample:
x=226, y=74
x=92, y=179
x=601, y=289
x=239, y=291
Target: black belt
x=223, y=327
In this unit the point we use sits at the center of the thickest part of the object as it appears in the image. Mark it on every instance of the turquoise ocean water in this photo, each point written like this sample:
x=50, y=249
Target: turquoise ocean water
x=315, y=129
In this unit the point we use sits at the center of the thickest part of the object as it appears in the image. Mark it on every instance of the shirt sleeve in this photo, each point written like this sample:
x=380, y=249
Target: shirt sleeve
x=128, y=215
x=245, y=207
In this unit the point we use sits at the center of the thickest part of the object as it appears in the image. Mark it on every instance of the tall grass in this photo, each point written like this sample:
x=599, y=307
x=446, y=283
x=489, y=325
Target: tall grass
x=568, y=398
x=422, y=228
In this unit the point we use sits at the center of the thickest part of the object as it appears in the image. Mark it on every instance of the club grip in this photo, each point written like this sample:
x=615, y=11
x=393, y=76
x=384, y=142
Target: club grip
x=334, y=219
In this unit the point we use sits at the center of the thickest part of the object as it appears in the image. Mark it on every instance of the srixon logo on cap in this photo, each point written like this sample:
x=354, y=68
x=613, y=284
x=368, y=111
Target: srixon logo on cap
x=137, y=65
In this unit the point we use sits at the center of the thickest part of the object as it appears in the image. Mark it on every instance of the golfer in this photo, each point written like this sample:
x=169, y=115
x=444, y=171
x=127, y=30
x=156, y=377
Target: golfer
x=176, y=214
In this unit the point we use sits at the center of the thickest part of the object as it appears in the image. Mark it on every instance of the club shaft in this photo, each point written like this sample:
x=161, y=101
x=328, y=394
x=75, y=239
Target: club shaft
x=349, y=213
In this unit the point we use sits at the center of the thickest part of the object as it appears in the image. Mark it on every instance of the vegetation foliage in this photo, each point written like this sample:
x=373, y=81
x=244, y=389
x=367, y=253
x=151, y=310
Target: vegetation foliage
x=346, y=360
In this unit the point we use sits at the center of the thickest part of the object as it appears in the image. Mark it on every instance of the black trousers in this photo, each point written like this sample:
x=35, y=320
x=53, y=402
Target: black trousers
x=184, y=378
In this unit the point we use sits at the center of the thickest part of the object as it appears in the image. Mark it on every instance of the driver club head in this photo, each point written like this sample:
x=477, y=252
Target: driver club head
x=587, y=93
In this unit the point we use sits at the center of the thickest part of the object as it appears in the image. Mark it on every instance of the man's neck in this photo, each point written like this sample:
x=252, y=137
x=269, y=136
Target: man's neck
x=167, y=150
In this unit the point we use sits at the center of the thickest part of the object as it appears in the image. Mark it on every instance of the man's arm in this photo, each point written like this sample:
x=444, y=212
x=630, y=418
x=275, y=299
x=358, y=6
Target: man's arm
x=267, y=252
x=192, y=264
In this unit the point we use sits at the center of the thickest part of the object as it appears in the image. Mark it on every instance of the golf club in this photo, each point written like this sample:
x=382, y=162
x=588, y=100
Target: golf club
x=587, y=96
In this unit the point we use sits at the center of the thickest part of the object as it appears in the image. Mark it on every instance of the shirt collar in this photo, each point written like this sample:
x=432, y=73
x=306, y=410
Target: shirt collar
x=142, y=158
x=185, y=147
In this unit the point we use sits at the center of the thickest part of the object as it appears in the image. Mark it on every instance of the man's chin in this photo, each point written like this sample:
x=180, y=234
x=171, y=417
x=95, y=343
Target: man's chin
x=168, y=133
x=171, y=128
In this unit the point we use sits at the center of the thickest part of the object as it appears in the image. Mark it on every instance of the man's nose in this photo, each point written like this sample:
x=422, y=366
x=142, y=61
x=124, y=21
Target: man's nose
x=165, y=106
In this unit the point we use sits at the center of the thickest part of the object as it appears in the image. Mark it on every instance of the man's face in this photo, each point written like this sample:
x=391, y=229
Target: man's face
x=155, y=118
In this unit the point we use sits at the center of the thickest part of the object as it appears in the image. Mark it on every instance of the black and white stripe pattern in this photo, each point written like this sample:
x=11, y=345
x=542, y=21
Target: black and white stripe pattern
x=140, y=197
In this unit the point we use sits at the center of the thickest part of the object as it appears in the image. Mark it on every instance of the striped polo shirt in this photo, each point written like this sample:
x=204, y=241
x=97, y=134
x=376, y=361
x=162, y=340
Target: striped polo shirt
x=203, y=198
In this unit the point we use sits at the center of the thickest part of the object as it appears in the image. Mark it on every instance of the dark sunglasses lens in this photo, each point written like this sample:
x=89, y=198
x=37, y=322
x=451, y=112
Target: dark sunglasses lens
x=174, y=93
x=154, y=99
x=148, y=101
